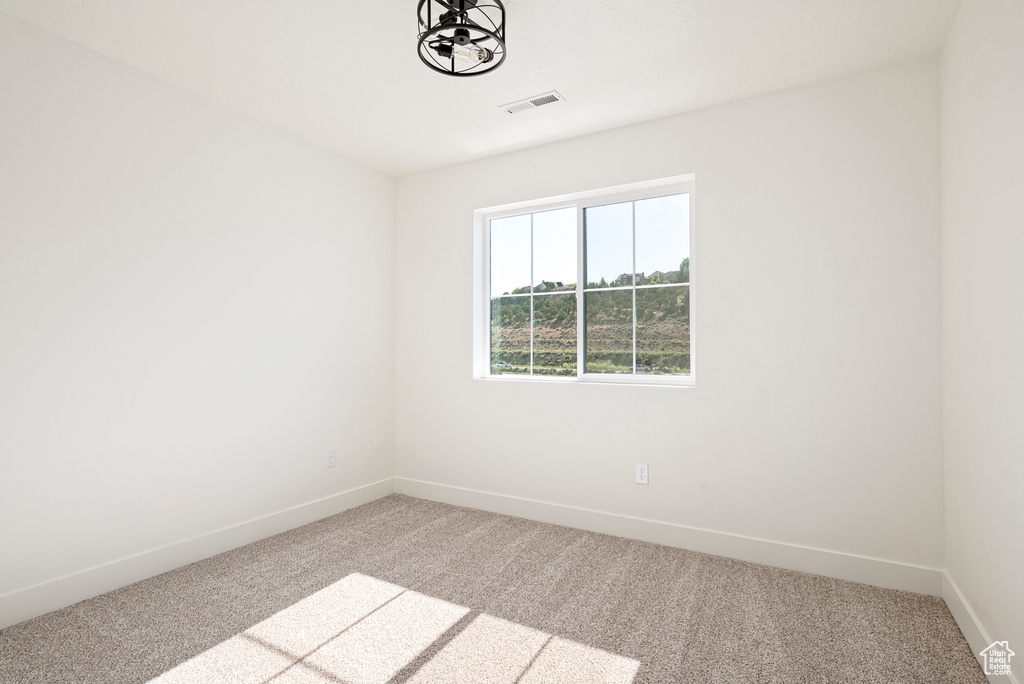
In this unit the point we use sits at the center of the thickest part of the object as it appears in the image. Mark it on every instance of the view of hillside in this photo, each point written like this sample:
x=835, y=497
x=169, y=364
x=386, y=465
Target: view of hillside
x=662, y=335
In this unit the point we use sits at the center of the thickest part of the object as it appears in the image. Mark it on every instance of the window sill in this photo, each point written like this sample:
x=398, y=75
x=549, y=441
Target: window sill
x=630, y=381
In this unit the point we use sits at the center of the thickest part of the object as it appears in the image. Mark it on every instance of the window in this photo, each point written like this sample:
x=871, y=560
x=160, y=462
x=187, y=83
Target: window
x=592, y=288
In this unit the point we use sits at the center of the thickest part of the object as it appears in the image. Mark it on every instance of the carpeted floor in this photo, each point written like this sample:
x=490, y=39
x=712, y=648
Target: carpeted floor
x=406, y=590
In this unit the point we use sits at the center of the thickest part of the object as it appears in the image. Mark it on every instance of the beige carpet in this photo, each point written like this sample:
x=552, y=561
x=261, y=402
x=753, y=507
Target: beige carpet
x=406, y=590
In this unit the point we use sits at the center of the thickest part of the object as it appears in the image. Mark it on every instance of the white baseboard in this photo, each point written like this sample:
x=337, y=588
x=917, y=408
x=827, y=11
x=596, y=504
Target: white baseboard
x=975, y=633
x=44, y=597
x=874, y=571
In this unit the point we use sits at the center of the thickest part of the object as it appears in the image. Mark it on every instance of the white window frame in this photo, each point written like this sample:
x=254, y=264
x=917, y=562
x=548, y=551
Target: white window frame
x=581, y=201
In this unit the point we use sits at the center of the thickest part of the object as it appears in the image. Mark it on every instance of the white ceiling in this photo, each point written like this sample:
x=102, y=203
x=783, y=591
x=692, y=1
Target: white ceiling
x=344, y=73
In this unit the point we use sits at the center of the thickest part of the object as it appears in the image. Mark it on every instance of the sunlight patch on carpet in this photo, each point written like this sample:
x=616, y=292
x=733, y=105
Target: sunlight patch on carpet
x=361, y=630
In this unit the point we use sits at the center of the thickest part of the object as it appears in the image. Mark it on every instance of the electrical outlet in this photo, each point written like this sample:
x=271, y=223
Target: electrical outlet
x=641, y=473
x=332, y=457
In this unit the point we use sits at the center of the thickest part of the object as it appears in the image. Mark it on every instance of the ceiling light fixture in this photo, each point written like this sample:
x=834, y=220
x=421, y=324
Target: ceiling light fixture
x=462, y=37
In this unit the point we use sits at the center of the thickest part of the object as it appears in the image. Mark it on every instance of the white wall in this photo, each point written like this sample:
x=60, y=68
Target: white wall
x=816, y=416
x=193, y=307
x=983, y=313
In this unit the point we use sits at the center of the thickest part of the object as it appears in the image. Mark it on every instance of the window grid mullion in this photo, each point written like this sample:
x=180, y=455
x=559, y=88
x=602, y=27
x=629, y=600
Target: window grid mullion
x=531, y=294
x=580, y=275
x=619, y=289
x=633, y=221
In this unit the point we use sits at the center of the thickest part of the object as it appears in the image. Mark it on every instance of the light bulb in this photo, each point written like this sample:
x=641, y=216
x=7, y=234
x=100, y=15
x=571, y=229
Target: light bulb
x=472, y=53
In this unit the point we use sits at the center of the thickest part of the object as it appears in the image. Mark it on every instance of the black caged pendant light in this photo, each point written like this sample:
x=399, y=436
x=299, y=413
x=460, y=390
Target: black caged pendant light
x=462, y=37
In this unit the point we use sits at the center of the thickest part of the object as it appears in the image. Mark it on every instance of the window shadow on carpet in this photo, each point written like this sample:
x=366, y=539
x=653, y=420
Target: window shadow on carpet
x=362, y=630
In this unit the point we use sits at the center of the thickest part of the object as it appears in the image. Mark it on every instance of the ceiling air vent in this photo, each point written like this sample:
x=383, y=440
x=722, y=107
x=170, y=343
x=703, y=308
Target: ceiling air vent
x=532, y=102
